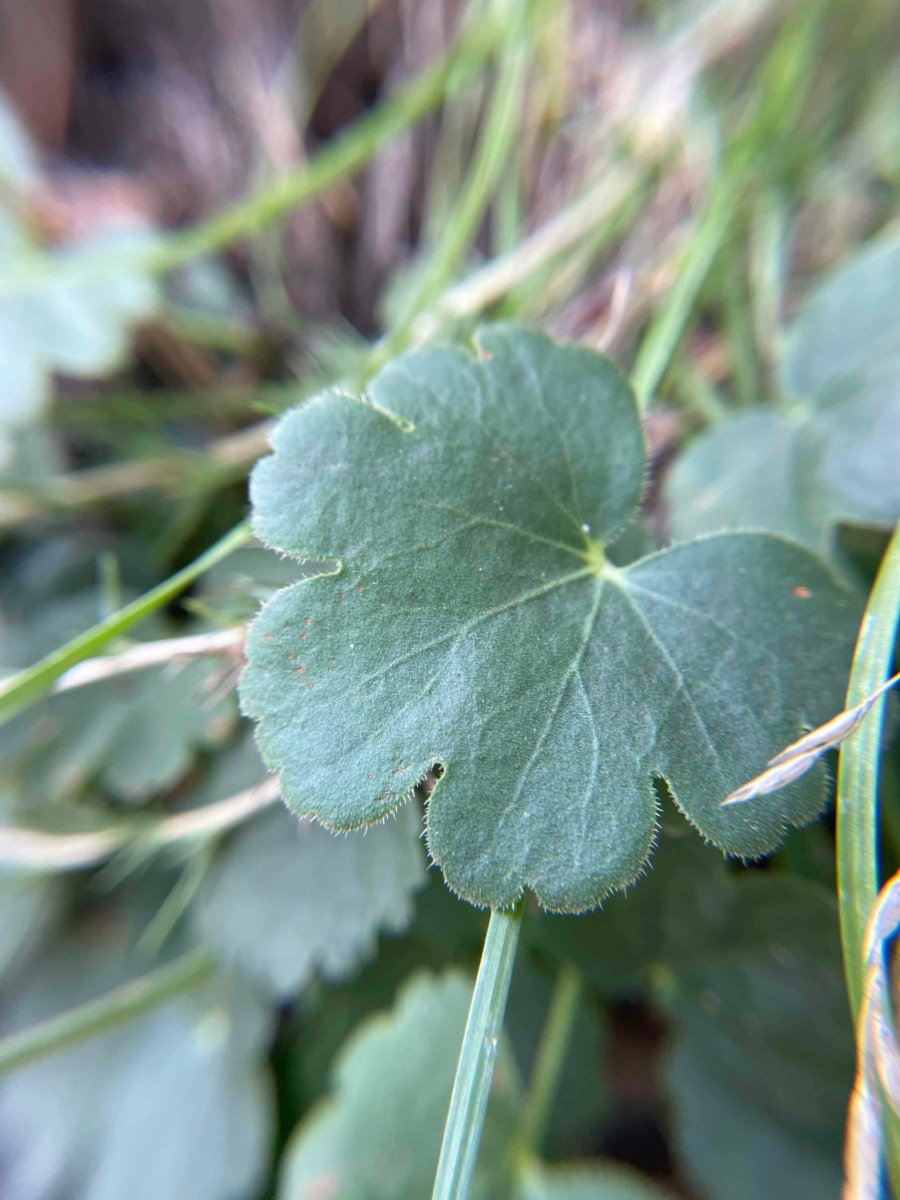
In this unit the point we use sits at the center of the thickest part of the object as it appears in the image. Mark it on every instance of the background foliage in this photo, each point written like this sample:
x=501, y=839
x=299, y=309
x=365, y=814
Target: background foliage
x=196, y=239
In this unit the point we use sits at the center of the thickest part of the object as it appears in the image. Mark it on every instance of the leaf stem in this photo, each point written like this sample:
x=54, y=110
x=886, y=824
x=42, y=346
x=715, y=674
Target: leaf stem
x=97, y=1016
x=549, y=1063
x=475, y=1069
x=25, y=686
x=857, y=793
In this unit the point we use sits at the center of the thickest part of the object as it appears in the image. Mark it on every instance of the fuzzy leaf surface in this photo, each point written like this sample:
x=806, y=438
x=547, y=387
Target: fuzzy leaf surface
x=473, y=621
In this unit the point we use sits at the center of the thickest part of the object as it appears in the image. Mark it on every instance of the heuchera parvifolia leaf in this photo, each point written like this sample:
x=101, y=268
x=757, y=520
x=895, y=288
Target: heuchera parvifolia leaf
x=472, y=620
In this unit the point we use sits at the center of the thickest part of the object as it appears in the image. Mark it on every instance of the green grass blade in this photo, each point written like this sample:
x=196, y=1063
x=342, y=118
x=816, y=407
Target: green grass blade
x=26, y=686
x=548, y=1065
x=475, y=1069
x=97, y=1016
x=857, y=800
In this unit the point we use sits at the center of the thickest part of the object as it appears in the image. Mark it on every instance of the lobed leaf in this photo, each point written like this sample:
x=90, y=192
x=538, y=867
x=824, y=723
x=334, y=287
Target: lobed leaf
x=473, y=620
x=285, y=900
x=138, y=734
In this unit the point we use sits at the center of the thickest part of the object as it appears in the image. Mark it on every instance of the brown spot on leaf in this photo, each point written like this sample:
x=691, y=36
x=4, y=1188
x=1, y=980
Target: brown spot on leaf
x=299, y=670
x=802, y=593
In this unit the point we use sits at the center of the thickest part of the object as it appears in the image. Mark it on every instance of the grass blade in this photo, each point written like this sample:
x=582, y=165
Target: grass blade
x=548, y=1065
x=97, y=1016
x=857, y=800
x=26, y=686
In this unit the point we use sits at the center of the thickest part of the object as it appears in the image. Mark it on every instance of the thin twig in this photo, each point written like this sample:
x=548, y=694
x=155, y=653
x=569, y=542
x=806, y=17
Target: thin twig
x=37, y=850
x=22, y=689
x=152, y=654
x=79, y=489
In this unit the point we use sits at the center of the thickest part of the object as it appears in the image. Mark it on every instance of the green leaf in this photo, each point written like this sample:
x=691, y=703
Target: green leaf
x=472, y=620
x=662, y=924
x=606, y=1181
x=762, y=1069
x=137, y=734
x=379, y=1135
x=849, y=325
x=748, y=970
x=174, y=1104
x=286, y=899
x=77, y=329
x=734, y=1148
x=445, y=933
x=830, y=457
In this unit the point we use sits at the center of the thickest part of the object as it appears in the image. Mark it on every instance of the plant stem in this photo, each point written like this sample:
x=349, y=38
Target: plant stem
x=857, y=793
x=549, y=1063
x=25, y=687
x=475, y=1069
x=97, y=1016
